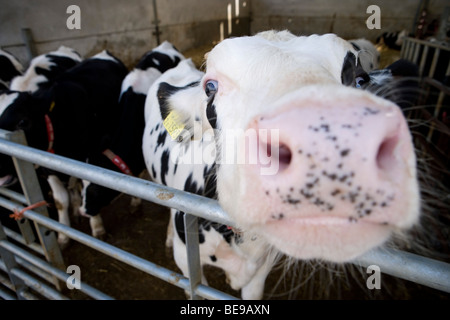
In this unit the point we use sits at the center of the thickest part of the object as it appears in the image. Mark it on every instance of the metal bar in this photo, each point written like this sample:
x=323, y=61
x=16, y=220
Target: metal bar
x=156, y=22
x=114, y=252
x=17, y=237
x=434, y=62
x=427, y=43
x=416, y=53
x=13, y=195
x=38, y=285
x=10, y=264
x=32, y=191
x=25, y=294
x=192, y=253
x=144, y=189
x=27, y=37
x=6, y=295
x=423, y=60
x=408, y=266
x=43, y=265
x=8, y=284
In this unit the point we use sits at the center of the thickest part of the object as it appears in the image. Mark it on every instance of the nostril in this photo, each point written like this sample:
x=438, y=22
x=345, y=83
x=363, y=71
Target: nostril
x=386, y=153
x=284, y=157
x=279, y=155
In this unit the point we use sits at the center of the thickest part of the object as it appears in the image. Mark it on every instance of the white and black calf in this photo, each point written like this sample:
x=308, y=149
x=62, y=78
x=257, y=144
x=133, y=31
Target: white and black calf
x=124, y=151
x=72, y=118
x=303, y=160
x=367, y=54
x=10, y=68
x=45, y=68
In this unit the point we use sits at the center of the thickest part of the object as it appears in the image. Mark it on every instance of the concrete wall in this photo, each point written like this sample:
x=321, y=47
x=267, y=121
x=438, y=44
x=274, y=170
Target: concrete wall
x=347, y=18
x=126, y=28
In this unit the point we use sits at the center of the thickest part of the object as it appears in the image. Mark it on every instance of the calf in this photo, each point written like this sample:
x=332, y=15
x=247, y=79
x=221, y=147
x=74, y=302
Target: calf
x=10, y=67
x=393, y=40
x=367, y=54
x=45, y=68
x=72, y=118
x=304, y=161
x=124, y=152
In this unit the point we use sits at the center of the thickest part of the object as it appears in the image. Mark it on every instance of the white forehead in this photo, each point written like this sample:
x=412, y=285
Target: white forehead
x=272, y=56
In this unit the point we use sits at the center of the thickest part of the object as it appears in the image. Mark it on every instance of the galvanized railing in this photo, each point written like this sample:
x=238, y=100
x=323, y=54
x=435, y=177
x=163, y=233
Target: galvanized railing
x=404, y=265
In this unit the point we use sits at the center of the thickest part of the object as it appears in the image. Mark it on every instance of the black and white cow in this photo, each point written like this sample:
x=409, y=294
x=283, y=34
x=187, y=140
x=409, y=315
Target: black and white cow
x=72, y=118
x=393, y=40
x=10, y=67
x=367, y=53
x=45, y=68
x=124, y=152
x=304, y=161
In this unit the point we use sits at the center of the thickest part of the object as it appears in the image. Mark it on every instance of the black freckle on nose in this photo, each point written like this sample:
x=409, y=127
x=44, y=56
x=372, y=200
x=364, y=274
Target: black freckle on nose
x=335, y=192
x=325, y=127
x=293, y=201
x=345, y=152
x=278, y=216
x=213, y=258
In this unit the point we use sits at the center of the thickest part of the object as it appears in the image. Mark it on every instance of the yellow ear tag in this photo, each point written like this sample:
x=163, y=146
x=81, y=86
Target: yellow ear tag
x=52, y=105
x=173, y=124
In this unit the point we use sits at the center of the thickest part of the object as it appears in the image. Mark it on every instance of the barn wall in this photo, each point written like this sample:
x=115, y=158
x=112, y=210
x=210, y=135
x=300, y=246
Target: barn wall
x=126, y=28
x=347, y=18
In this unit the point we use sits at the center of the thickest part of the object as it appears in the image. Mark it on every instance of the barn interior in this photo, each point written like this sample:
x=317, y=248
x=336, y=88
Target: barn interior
x=129, y=29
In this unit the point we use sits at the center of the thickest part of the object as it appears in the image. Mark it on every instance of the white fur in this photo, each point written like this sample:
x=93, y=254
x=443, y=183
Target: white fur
x=104, y=55
x=61, y=198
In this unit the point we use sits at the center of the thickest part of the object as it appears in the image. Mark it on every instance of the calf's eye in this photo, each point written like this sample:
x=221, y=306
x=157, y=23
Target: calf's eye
x=211, y=87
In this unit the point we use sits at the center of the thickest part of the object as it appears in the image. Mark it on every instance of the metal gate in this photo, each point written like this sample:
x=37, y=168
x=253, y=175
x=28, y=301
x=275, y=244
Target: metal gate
x=36, y=271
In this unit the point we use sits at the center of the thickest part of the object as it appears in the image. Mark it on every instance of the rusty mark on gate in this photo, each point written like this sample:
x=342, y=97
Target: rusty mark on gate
x=164, y=195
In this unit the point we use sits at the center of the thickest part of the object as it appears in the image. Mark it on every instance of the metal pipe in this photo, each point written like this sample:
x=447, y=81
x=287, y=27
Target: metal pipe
x=144, y=189
x=157, y=33
x=114, y=252
x=408, y=266
x=38, y=286
x=17, y=237
x=49, y=269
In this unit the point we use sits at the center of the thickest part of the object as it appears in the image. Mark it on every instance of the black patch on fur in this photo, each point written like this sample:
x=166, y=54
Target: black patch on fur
x=160, y=61
x=161, y=139
x=352, y=69
x=164, y=165
x=211, y=113
x=165, y=91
